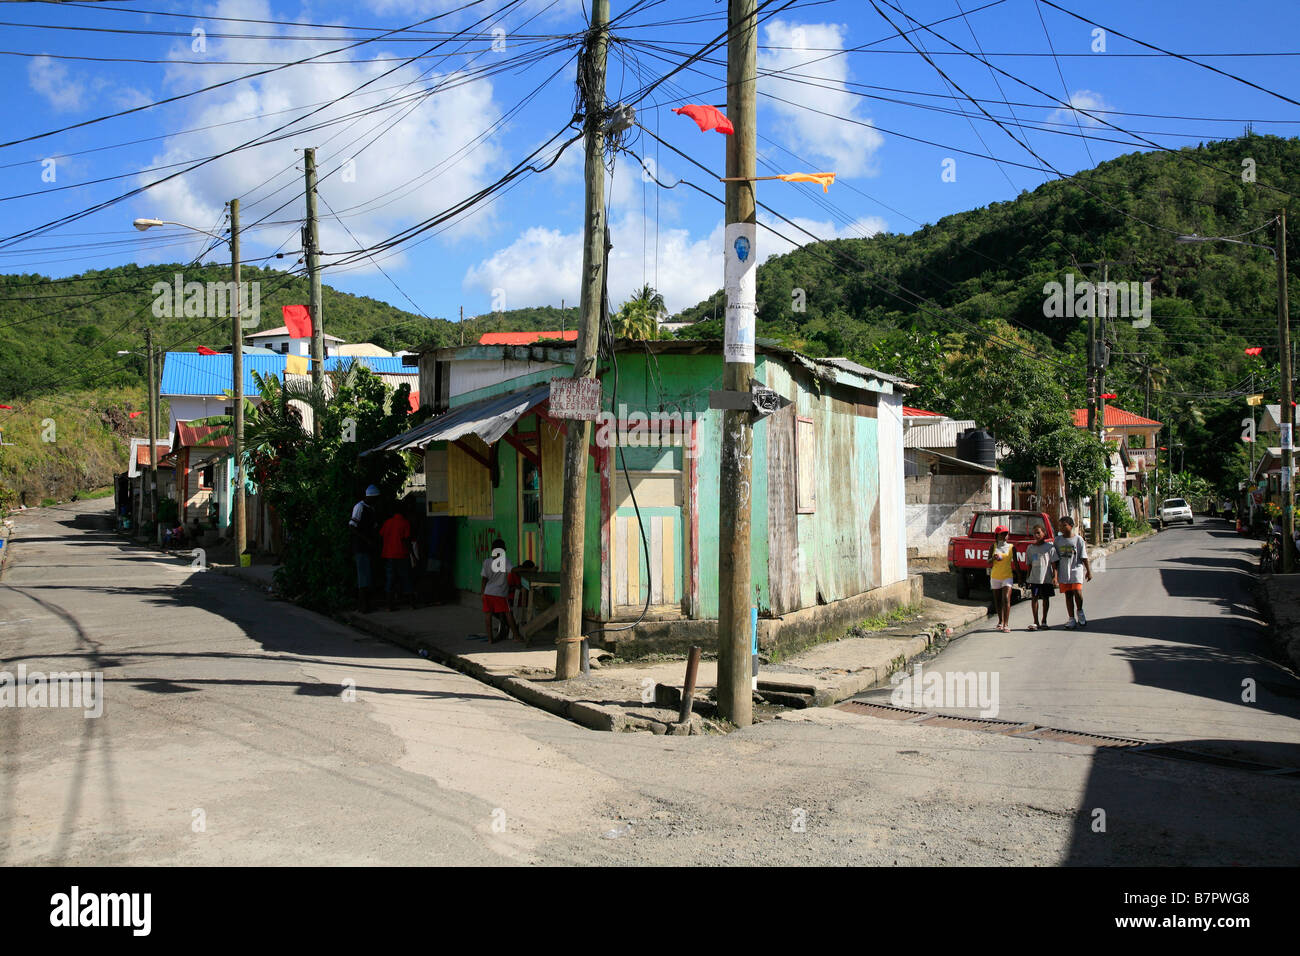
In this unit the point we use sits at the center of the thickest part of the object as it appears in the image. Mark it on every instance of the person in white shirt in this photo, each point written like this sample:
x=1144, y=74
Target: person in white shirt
x=1073, y=568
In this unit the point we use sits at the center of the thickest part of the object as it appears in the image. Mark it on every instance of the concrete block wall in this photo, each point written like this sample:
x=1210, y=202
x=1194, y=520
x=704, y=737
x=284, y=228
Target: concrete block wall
x=938, y=507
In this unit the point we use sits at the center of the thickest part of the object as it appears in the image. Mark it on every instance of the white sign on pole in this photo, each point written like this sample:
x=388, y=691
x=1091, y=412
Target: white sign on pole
x=740, y=277
x=1286, y=437
x=575, y=398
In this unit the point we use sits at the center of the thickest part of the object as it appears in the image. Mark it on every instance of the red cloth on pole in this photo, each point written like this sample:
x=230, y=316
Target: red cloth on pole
x=708, y=117
x=204, y=350
x=136, y=414
x=298, y=321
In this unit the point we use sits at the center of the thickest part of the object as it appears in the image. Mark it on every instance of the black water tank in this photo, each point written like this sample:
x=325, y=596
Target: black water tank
x=977, y=445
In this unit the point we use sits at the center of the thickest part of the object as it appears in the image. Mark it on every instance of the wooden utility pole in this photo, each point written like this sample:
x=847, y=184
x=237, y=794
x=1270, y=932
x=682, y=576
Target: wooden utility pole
x=237, y=387
x=1288, y=412
x=311, y=247
x=735, y=694
x=152, y=498
x=1099, y=507
x=591, y=84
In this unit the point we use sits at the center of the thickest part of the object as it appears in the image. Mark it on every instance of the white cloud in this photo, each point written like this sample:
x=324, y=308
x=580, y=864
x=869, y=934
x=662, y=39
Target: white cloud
x=52, y=80
x=1079, y=100
x=543, y=266
x=830, y=135
x=417, y=166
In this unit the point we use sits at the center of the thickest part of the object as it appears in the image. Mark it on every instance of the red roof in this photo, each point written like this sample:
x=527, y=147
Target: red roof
x=1116, y=417
x=192, y=436
x=525, y=338
x=913, y=412
x=142, y=451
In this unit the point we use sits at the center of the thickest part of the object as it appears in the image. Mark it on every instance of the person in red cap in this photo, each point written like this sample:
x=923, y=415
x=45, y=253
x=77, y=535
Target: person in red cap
x=1002, y=561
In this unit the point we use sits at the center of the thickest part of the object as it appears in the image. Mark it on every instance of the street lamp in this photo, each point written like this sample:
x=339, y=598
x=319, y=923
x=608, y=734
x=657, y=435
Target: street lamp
x=236, y=367
x=1284, y=344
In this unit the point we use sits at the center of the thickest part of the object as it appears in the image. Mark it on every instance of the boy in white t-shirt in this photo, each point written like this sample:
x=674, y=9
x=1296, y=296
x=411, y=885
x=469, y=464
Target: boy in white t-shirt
x=1073, y=568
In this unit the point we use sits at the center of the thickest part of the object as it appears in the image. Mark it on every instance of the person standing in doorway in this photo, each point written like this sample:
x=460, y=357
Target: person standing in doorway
x=363, y=532
x=1041, y=558
x=1072, y=569
x=396, y=535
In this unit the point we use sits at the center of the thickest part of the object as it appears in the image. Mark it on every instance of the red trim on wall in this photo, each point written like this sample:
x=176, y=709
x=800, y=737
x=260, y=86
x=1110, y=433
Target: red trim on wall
x=473, y=453
x=518, y=445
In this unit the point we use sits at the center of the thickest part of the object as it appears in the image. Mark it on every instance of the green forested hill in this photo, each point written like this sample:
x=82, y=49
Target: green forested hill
x=910, y=304
x=59, y=340
x=61, y=334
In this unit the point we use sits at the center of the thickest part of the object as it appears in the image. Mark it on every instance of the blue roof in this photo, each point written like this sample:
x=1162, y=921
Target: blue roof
x=189, y=373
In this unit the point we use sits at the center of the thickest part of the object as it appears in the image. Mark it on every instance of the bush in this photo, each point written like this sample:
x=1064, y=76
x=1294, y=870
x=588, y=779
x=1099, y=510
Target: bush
x=1118, y=515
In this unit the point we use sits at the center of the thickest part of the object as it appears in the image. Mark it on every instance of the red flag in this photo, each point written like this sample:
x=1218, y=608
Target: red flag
x=135, y=414
x=10, y=407
x=415, y=401
x=708, y=117
x=298, y=320
x=204, y=350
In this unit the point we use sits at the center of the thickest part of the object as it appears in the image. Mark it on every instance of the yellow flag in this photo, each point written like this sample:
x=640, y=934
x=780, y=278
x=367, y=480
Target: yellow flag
x=1254, y=399
x=295, y=365
x=824, y=178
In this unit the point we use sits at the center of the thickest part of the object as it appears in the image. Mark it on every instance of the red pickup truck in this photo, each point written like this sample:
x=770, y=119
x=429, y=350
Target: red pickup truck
x=968, y=554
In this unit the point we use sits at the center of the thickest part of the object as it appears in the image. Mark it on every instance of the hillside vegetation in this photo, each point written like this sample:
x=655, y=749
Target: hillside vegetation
x=914, y=304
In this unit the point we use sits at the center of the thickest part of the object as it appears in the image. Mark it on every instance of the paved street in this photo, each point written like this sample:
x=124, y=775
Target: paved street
x=228, y=736
x=1172, y=634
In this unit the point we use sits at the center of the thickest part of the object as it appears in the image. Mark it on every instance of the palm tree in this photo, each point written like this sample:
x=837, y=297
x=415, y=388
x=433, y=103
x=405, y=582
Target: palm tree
x=653, y=300
x=636, y=320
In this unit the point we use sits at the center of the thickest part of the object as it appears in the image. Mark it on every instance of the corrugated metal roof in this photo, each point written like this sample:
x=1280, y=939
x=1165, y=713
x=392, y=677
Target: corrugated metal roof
x=189, y=373
x=489, y=419
x=953, y=461
x=939, y=435
x=192, y=436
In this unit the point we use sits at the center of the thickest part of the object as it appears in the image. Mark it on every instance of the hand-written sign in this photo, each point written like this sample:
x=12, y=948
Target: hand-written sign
x=575, y=398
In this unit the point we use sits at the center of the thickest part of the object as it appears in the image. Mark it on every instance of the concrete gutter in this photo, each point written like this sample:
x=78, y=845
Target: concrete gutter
x=589, y=713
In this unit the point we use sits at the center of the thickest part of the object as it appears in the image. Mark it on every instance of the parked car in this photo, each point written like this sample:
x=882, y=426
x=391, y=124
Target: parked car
x=968, y=554
x=1176, y=509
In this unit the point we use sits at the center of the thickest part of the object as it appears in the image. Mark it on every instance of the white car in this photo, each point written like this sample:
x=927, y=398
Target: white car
x=1175, y=509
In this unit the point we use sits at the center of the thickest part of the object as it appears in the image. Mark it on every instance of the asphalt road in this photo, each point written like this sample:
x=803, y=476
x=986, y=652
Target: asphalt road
x=230, y=735
x=1173, y=643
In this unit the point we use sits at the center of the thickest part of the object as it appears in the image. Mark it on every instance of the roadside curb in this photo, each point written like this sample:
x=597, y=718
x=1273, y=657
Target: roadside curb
x=591, y=714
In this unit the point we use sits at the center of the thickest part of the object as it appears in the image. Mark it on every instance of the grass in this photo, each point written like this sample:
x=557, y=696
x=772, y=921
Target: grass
x=882, y=621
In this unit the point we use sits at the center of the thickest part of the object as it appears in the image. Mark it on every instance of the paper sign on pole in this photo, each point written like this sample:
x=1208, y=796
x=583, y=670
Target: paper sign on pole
x=575, y=398
x=741, y=284
x=1286, y=437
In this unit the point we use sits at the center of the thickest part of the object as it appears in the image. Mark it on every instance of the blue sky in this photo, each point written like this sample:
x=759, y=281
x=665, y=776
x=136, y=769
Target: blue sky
x=392, y=157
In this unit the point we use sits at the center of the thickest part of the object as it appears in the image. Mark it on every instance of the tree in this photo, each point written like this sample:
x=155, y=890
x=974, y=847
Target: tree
x=636, y=319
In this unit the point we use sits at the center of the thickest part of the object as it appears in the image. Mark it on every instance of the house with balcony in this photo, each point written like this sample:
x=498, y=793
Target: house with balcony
x=1138, y=439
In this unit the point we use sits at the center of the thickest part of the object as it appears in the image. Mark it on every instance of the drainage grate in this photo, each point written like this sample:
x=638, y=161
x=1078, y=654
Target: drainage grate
x=985, y=724
x=886, y=711
x=1086, y=740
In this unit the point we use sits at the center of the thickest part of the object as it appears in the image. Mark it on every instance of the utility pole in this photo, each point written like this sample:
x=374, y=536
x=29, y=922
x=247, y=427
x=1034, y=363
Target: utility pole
x=311, y=246
x=591, y=86
x=152, y=498
x=735, y=693
x=1288, y=412
x=237, y=387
